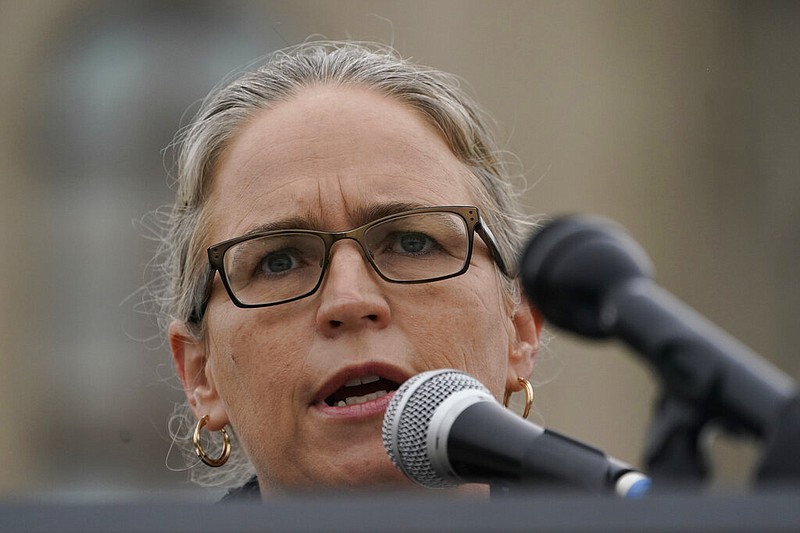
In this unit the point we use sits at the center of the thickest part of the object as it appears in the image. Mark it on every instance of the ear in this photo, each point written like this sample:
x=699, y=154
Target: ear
x=190, y=356
x=527, y=326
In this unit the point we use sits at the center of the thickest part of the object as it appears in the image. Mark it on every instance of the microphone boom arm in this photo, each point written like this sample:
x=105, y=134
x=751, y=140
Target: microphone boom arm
x=697, y=361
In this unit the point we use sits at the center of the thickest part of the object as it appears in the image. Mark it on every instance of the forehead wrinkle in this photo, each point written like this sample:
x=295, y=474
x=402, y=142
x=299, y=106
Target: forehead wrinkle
x=320, y=196
x=250, y=165
x=342, y=196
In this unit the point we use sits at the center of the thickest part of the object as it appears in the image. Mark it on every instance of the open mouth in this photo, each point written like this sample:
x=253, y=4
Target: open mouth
x=361, y=390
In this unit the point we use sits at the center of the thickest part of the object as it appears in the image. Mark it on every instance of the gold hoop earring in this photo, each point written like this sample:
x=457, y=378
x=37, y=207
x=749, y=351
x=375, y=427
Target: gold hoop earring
x=201, y=453
x=526, y=385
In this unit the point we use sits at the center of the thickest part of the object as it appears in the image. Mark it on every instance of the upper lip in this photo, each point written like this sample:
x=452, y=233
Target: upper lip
x=344, y=375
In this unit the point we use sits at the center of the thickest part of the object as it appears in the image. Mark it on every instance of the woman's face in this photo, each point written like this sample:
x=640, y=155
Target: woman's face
x=327, y=159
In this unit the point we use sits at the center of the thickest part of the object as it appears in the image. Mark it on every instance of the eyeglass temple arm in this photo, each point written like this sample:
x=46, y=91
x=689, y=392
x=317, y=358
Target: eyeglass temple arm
x=488, y=237
x=199, y=309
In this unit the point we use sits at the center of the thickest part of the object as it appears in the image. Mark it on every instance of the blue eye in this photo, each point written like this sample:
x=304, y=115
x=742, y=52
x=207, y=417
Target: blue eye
x=413, y=243
x=278, y=262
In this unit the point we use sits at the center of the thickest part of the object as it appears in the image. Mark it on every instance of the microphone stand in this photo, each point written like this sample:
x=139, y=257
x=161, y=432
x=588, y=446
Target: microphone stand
x=674, y=455
x=673, y=452
x=780, y=462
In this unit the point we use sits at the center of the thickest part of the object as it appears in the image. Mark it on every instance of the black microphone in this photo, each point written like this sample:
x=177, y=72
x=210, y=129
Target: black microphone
x=443, y=428
x=586, y=275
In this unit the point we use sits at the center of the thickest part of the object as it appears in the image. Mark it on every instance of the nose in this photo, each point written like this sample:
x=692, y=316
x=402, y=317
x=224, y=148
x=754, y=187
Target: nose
x=351, y=296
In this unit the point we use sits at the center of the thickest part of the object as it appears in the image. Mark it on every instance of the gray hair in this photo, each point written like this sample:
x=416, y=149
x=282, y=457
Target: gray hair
x=436, y=95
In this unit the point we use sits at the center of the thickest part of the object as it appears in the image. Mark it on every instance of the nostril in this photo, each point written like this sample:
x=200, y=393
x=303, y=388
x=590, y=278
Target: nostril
x=335, y=323
x=373, y=318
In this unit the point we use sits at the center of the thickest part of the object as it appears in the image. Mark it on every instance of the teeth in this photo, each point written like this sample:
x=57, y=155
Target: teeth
x=354, y=400
x=355, y=382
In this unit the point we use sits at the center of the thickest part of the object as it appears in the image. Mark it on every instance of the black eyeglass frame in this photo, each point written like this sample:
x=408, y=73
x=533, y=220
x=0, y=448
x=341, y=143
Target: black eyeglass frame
x=469, y=214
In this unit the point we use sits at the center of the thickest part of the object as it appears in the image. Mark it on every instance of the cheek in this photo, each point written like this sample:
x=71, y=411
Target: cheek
x=258, y=367
x=466, y=329
x=259, y=340
x=254, y=361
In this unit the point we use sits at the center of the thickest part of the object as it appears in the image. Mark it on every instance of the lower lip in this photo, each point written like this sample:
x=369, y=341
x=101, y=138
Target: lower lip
x=367, y=409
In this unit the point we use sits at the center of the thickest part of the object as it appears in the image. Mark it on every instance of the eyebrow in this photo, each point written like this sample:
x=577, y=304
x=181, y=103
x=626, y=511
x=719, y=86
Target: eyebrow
x=361, y=216
x=308, y=221
x=366, y=214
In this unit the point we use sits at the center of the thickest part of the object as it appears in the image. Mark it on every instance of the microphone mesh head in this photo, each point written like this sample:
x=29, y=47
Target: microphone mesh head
x=407, y=422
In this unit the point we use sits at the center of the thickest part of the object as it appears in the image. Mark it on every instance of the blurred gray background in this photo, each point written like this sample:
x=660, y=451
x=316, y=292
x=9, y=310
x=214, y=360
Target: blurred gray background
x=679, y=119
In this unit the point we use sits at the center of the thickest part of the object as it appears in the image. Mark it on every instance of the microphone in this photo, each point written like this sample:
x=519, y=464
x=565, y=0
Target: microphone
x=586, y=275
x=443, y=428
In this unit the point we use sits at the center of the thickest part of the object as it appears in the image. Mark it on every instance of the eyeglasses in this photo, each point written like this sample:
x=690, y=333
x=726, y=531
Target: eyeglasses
x=416, y=246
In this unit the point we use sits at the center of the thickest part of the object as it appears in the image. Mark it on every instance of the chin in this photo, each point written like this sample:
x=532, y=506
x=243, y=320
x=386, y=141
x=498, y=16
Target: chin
x=371, y=476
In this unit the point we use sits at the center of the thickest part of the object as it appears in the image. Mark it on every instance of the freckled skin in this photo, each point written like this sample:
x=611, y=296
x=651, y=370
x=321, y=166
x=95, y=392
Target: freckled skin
x=330, y=152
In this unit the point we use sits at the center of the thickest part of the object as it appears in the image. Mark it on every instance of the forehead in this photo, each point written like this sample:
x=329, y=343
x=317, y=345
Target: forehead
x=329, y=153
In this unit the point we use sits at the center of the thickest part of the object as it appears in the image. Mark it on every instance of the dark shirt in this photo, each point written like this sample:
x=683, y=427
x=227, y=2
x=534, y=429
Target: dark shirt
x=249, y=492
